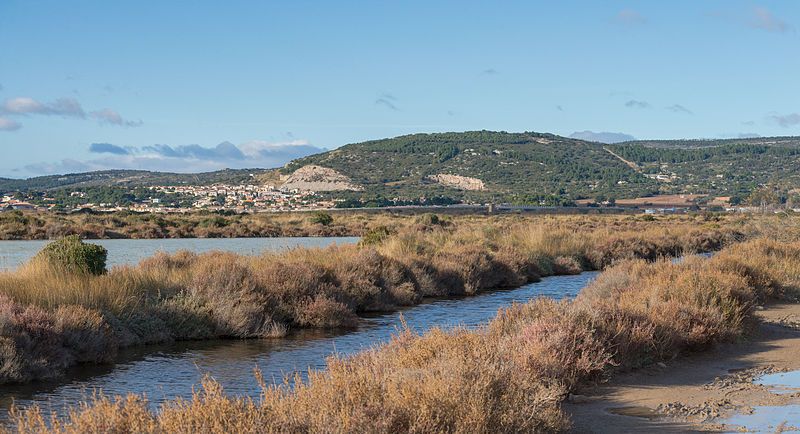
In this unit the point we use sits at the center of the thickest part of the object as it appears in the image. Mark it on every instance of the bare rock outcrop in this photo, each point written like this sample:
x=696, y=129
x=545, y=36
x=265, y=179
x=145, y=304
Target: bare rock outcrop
x=318, y=178
x=458, y=181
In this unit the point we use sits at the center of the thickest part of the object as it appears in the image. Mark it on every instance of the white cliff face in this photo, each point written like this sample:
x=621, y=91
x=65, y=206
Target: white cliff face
x=458, y=181
x=318, y=178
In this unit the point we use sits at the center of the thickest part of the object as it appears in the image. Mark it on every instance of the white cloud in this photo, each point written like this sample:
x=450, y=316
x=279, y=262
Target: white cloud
x=183, y=158
x=64, y=107
x=9, y=124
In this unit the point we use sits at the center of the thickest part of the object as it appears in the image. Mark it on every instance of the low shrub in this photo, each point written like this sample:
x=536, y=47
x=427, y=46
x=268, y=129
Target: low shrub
x=321, y=218
x=73, y=255
x=375, y=236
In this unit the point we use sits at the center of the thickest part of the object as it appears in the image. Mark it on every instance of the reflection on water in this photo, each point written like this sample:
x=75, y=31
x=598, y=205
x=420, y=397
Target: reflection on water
x=781, y=382
x=767, y=419
x=169, y=371
x=127, y=252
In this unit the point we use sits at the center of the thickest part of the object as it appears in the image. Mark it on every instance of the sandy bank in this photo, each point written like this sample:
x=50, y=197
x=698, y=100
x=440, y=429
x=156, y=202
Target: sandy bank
x=698, y=393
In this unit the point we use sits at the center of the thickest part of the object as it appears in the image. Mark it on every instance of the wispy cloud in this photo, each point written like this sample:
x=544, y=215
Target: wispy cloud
x=66, y=107
x=387, y=100
x=762, y=18
x=223, y=151
x=111, y=117
x=787, y=120
x=68, y=165
x=63, y=107
x=677, y=108
x=602, y=137
x=629, y=17
x=183, y=158
x=9, y=124
x=637, y=104
x=108, y=148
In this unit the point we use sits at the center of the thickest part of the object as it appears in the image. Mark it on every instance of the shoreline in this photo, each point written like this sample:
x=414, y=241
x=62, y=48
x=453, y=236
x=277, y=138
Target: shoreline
x=698, y=392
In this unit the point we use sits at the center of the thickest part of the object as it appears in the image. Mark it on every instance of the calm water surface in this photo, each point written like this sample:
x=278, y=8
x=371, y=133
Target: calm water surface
x=169, y=371
x=128, y=252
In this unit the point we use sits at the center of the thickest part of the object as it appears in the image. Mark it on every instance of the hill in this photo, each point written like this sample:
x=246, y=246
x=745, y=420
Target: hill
x=482, y=165
x=127, y=178
x=731, y=167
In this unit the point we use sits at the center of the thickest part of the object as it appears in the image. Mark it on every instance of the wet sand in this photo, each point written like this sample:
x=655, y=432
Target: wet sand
x=702, y=392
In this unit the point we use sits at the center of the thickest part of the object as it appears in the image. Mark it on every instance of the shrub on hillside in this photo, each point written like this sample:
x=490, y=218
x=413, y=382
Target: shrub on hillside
x=73, y=255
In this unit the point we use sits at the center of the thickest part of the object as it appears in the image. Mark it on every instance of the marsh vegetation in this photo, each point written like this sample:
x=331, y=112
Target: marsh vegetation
x=513, y=373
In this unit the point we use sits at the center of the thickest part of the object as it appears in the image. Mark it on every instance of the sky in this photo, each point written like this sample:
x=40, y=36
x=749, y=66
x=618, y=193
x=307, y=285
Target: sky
x=202, y=85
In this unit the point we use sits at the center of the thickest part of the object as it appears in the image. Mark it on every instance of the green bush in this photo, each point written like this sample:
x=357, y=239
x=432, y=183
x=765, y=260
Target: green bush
x=375, y=236
x=322, y=218
x=72, y=254
x=214, y=222
x=429, y=219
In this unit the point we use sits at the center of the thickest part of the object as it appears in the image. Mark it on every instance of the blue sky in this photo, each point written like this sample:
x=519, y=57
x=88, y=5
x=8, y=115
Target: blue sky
x=186, y=86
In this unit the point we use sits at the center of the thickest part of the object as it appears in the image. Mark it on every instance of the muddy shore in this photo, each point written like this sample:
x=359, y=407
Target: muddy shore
x=707, y=392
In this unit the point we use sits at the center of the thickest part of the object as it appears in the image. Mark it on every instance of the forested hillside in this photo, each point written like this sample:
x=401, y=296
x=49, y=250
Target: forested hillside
x=732, y=167
x=517, y=167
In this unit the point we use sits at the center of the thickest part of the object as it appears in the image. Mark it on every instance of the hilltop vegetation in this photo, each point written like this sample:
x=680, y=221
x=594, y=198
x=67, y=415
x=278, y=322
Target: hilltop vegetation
x=535, y=168
x=516, y=167
x=734, y=167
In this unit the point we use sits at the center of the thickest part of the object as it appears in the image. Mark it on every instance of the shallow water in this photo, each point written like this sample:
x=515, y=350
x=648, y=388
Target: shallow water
x=129, y=252
x=781, y=382
x=766, y=419
x=169, y=371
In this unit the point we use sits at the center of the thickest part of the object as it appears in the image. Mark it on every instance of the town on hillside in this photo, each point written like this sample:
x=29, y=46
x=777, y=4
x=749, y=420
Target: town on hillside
x=180, y=199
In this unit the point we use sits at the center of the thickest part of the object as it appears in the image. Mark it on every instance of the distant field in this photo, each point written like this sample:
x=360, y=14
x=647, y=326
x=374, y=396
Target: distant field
x=662, y=200
x=679, y=200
